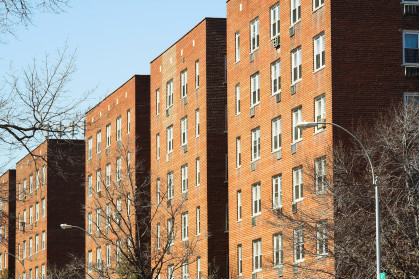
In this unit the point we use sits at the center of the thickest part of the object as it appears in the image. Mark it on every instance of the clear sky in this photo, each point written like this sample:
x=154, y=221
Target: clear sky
x=114, y=39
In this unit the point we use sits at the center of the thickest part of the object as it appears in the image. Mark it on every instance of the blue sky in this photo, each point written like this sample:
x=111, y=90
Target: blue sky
x=114, y=39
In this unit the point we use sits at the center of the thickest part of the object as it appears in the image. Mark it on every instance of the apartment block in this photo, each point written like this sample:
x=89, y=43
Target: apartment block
x=188, y=154
x=117, y=177
x=7, y=222
x=293, y=61
x=50, y=191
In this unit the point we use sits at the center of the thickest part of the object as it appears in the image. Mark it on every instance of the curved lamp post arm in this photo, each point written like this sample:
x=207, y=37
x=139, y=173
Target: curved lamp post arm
x=305, y=125
x=21, y=262
x=66, y=226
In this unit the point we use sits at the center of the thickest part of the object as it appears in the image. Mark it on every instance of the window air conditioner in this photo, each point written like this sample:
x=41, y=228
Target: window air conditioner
x=279, y=154
x=293, y=89
x=185, y=100
x=278, y=97
x=251, y=57
x=253, y=221
x=292, y=31
x=276, y=42
x=294, y=208
x=252, y=166
x=185, y=148
x=293, y=148
x=252, y=111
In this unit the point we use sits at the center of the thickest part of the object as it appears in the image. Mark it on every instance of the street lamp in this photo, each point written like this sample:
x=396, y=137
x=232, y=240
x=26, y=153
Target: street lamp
x=24, y=268
x=305, y=125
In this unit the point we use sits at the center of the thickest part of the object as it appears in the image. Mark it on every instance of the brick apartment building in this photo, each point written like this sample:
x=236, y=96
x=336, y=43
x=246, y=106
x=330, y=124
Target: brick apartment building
x=117, y=173
x=188, y=153
x=50, y=191
x=292, y=61
x=7, y=221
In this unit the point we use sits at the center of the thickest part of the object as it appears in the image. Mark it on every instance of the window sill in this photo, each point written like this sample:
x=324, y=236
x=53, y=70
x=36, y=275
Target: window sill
x=297, y=141
x=237, y=114
x=256, y=271
x=256, y=215
x=297, y=81
x=255, y=160
x=319, y=69
x=254, y=105
x=277, y=150
x=273, y=94
x=239, y=221
x=299, y=200
x=321, y=256
x=410, y=64
x=299, y=261
x=236, y=62
x=295, y=23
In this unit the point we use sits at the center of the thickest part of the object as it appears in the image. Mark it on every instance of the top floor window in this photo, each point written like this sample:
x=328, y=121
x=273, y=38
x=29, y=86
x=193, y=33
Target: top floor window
x=196, y=73
x=411, y=47
x=275, y=20
x=254, y=35
x=128, y=121
x=118, y=128
x=169, y=97
x=295, y=11
x=98, y=141
x=89, y=148
x=319, y=60
x=184, y=83
x=317, y=4
x=169, y=133
x=157, y=101
x=237, y=46
x=108, y=135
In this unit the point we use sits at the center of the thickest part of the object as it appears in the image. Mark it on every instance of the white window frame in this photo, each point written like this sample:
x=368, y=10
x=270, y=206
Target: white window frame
x=89, y=148
x=37, y=179
x=98, y=142
x=198, y=171
x=98, y=258
x=169, y=94
x=237, y=99
x=169, y=133
x=198, y=220
x=239, y=260
x=184, y=84
x=184, y=178
x=108, y=254
x=256, y=144
x=170, y=187
x=31, y=184
x=254, y=35
x=158, y=190
x=239, y=205
x=89, y=261
x=158, y=236
x=277, y=191
x=196, y=74
x=170, y=232
x=414, y=33
x=43, y=240
x=257, y=255
x=98, y=180
x=118, y=169
x=276, y=134
x=298, y=245
x=297, y=117
x=198, y=268
x=297, y=184
x=89, y=185
x=295, y=11
x=255, y=89
x=238, y=152
x=322, y=242
x=276, y=77
x=256, y=200
x=185, y=270
x=275, y=17
x=31, y=215
x=44, y=174
x=320, y=166
x=184, y=131
x=317, y=4
x=128, y=122
x=320, y=113
x=197, y=123
x=237, y=46
x=108, y=175
x=36, y=244
x=118, y=128
x=44, y=207
x=108, y=215
x=278, y=249
x=185, y=226
x=158, y=101
x=36, y=211
x=171, y=272
x=158, y=147
x=410, y=97
x=98, y=219
x=43, y=271
x=90, y=222
x=108, y=135
x=30, y=246
x=319, y=52
x=296, y=66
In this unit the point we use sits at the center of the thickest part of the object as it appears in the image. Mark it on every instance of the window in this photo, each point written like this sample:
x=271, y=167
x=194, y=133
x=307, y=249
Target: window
x=184, y=173
x=36, y=243
x=276, y=77
x=108, y=135
x=98, y=142
x=118, y=169
x=24, y=218
x=295, y=11
x=89, y=222
x=276, y=134
x=43, y=271
x=322, y=237
x=239, y=205
x=256, y=200
x=108, y=215
x=18, y=251
x=196, y=73
x=89, y=148
x=37, y=179
x=169, y=132
x=43, y=207
x=298, y=245
x=157, y=101
x=184, y=131
x=256, y=144
x=319, y=60
x=317, y=4
x=411, y=47
x=170, y=188
x=197, y=123
x=277, y=191
x=31, y=215
x=108, y=255
x=198, y=220
x=238, y=153
x=118, y=210
x=257, y=255
x=108, y=175
x=170, y=232
x=297, y=180
x=320, y=112
x=320, y=165
x=89, y=185
x=44, y=169
x=24, y=189
x=255, y=89
x=411, y=98
x=118, y=128
x=98, y=217
x=297, y=134
x=275, y=20
x=169, y=97
x=128, y=121
x=185, y=226
x=278, y=258
x=158, y=236
x=254, y=35
x=185, y=270
x=89, y=261
x=31, y=184
x=198, y=172
x=98, y=180
x=238, y=99
x=296, y=65
x=43, y=240
x=157, y=146
x=98, y=258
x=118, y=250
x=171, y=272
x=198, y=268
x=158, y=198
x=239, y=260
x=30, y=247
x=184, y=83
x=237, y=47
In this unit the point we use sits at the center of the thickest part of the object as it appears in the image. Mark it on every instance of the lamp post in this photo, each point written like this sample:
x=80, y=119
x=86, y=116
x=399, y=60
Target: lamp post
x=305, y=125
x=22, y=263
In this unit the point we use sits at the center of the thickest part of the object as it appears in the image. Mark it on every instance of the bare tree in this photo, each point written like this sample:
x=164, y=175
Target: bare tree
x=339, y=226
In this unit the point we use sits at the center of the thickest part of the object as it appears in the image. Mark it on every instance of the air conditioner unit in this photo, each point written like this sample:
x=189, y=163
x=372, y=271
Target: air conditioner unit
x=293, y=89
x=99, y=155
x=253, y=221
x=185, y=100
x=278, y=212
x=278, y=97
x=169, y=250
x=36, y=191
x=167, y=157
x=279, y=154
x=169, y=203
x=185, y=196
x=410, y=71
x=186, y=244
x=252, y=111
x=293, y=148
x=251, y=57
x=252, y=166
x=276, y=42
x=294, y=208
x=292, y=31
x=411, y=9
x=295, y=269
x=167, y=112
x=281, y=271
x=36, y=224
x=99, y=194
x=185, y=148
x=107, y=151
x=254, y=276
